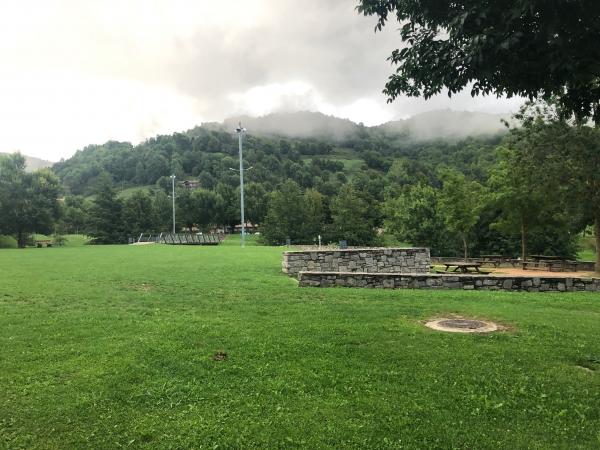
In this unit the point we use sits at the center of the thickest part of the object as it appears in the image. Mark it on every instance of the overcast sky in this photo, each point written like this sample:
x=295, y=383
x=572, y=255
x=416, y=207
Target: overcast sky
x=75, y=72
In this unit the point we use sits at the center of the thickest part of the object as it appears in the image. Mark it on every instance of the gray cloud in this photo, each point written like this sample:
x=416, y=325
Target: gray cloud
x=326, y=44
x=85, y=72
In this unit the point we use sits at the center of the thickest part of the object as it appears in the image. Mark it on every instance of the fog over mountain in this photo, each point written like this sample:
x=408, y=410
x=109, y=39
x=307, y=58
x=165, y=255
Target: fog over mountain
x=442, y=124
x=447, y=124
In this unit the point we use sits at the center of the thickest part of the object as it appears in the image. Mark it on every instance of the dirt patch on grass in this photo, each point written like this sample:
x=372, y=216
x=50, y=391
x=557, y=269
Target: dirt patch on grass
x=219, y=356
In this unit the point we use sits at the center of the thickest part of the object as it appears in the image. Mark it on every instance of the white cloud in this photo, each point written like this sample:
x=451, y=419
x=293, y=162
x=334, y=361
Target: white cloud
x=53, y=117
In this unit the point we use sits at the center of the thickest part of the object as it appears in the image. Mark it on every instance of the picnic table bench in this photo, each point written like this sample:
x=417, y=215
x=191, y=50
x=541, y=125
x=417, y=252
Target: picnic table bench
x=551, y=265
x=496, y=260
x=463, y=267
x=39, y=243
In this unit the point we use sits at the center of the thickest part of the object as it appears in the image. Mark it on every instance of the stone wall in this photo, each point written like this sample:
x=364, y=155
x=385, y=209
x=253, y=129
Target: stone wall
x=370, y=260
x=443, y=281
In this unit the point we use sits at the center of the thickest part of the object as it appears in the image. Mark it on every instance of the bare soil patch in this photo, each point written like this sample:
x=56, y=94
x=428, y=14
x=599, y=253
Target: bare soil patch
x=538, y=273
x=219, y=356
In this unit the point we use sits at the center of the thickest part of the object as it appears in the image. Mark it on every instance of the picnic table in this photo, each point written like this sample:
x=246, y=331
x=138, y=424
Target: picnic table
x=463, y=267
x=39, y=243
x=547, y=258
x=551, y=265
x=496, y=260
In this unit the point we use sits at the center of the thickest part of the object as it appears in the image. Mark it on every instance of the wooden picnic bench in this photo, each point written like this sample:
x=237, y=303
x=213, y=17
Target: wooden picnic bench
x=496, y=260
x=542, y=262
x=463, y=267
x=39, y=243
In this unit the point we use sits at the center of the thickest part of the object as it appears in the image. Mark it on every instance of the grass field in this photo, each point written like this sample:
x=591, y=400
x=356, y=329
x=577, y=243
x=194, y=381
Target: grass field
x=107, y=347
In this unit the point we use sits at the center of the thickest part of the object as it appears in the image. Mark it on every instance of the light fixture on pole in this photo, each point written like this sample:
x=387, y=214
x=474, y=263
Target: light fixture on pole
x=173, y=197
x=240, y=132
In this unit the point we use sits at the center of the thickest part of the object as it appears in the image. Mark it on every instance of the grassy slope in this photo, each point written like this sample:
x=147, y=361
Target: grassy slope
x=109, y=347
x=128, y=192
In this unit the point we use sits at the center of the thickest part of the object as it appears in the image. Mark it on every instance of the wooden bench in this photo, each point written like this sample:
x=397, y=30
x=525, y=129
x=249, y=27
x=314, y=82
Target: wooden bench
x=550, y=265
x=39, y=243
x=497, y=260
x=532, y=265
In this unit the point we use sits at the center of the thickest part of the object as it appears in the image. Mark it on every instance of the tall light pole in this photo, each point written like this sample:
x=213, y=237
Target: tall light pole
x=173, y=198
x=240, y=132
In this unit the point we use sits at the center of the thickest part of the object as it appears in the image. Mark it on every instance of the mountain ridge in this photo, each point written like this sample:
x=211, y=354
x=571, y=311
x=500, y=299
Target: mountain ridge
x=32, y=163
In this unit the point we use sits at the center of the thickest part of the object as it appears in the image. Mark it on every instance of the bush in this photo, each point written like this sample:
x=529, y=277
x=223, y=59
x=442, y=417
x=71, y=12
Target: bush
x=8, y=242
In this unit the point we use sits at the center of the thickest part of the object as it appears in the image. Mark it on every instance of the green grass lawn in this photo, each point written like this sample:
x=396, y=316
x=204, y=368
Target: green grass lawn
x=586, y=255
x=71, y=240
x=107, y=347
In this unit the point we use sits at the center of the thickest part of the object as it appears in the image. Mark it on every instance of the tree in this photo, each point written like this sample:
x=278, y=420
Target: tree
x=163, y=211
x=414, y=216
x=518, y=192
x=207, y=208
x=105, y=217
x=187, y=209
x=75, y=214
x=583, y=170
x=255, y=202
x=230, y=213
x=139, y=214
x=28, y=202
x=351, y=218
x=461, y=201
x=531, y=48
x=314, y=214
x=565, y=163
x=285, y=216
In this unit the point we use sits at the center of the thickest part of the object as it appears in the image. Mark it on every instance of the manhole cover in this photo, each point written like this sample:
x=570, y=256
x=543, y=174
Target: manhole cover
x=462, y=325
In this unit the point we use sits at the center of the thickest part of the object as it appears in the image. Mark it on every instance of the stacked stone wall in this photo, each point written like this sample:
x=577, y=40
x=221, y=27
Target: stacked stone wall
x=369, y=260
x=443, y=281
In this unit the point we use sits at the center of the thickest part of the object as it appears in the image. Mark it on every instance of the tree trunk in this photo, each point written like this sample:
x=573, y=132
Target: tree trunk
x=523, y=240
x=21, y=239
x=597, y=239
x=465, y=247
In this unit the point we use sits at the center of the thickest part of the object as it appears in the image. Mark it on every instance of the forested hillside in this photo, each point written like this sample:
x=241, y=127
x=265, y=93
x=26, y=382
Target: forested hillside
x=312, y=149
x=420, y=181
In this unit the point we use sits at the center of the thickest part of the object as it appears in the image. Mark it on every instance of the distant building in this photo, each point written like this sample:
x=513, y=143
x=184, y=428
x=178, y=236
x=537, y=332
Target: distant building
x=249, y=227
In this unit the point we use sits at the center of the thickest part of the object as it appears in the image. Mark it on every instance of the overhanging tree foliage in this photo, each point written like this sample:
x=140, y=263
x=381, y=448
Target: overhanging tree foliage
x=531, y=48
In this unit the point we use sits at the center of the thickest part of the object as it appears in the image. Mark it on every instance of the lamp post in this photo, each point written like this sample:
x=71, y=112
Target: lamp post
x=240, y=132
x=173, y=197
